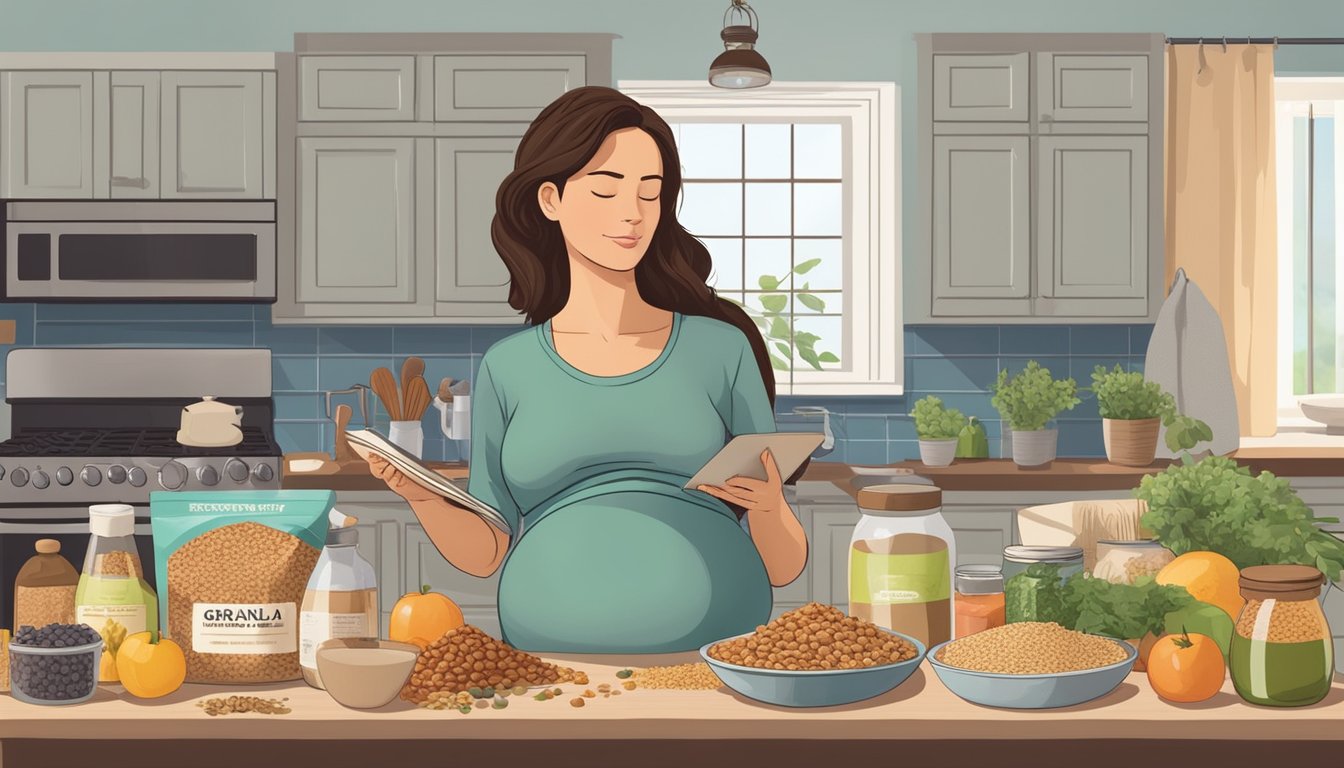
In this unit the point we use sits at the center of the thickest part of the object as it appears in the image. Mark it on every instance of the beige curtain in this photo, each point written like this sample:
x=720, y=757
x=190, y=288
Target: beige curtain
x=1220, y=220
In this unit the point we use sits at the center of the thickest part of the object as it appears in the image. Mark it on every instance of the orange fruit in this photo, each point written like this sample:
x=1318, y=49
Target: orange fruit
x=1208, y=577
x=1186, y=668
x=424, y=614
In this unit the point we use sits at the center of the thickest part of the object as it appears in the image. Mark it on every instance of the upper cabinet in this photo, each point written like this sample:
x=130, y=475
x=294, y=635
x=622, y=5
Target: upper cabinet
x=140, y=132
x=398, y=145
x=1041, y=164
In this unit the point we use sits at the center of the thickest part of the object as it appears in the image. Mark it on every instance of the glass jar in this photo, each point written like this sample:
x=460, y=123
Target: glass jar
x=1282, y=654
x=1332, y=599
x=44, y=589
x=1017, y=559
x=979, y=599
x=1029, y=594
x=900, y=562
x=341, y=600
x=1122, y=562
x=113, y=596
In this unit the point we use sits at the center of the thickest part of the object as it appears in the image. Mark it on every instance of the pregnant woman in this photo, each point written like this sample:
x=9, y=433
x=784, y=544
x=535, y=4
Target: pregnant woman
x=586, y=425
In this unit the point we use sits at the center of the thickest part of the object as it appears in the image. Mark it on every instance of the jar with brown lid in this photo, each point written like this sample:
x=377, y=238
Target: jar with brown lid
x=44, y=590
x=1282, y=654
x=901, y=558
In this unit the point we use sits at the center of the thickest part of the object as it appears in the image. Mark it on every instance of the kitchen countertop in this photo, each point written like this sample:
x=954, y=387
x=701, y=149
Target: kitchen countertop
x=918, y=720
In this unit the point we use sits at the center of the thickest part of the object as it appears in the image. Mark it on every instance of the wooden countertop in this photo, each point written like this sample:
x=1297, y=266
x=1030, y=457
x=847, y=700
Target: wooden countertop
x=920, y=710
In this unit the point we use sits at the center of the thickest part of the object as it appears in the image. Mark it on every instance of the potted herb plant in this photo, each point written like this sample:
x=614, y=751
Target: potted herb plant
x=1027, y=402
x=938, y=429
x=1132, y=412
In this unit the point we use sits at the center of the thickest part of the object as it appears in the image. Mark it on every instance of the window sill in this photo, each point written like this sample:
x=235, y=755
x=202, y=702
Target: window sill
x=1296, y=433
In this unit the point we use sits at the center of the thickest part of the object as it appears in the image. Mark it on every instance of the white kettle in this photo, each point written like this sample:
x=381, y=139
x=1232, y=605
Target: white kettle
x=211, y=424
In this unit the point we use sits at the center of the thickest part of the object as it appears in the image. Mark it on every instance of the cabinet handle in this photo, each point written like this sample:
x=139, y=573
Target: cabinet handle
x=127, y=181
x=1047, y=118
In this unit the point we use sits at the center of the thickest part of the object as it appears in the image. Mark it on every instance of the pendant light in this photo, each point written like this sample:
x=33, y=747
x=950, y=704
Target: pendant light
x=740, y=65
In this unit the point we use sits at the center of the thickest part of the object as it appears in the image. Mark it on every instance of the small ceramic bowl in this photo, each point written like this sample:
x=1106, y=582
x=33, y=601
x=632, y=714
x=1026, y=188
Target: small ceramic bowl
x=365, y=672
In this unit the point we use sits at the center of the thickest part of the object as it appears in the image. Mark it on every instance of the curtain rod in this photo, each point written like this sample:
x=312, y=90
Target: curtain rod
x=1257, y=40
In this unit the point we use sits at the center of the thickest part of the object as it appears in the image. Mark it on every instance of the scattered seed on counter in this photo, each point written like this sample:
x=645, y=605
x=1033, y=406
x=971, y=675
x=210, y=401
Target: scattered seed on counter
x=615, y=693
x=482, y=703
x=238, y=704
x=685, y=677
x=604, y=687
x=588, y=694
x=576, y=702
x=519, y=690
x=624, y=673
x=628, y=685
x=501, y=703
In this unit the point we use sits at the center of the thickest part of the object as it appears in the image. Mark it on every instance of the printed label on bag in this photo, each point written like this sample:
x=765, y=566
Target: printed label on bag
x=244, y=628
x=317, y=627
x=109, y=618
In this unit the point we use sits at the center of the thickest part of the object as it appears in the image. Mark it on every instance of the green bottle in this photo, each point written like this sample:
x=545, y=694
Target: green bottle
x=972, y=442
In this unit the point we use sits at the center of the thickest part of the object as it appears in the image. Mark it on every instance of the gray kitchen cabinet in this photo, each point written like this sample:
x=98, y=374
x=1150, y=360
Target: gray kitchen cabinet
x=472, y=279
x=502, y=88
x=981, y=532
x=1092, y=226
x=48, y=134
x=134, y=124
x=1092, y=87
x=212, y=135
x=828, y=539
x=981, y=225
x=356, y=234
x=356, y=88
x=981, y=87
x=477, y=597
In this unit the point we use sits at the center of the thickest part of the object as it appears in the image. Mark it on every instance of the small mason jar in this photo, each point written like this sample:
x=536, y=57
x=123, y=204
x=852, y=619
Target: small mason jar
x=1282, y=653
x=1016, y=559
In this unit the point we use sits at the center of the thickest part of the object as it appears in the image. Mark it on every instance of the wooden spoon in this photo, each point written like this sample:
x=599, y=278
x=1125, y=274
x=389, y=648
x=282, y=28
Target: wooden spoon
x=344, y=454
x=419, y=398
x=382, y=383
x=411, y=368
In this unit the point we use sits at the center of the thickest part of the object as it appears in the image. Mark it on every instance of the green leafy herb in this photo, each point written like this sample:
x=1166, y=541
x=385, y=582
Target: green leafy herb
x=1032, y=398
x=934, y=422
x=1127, y=395
x=1037, y=594
x=1088, y=604
x=1217, y=505
x=1184, y=433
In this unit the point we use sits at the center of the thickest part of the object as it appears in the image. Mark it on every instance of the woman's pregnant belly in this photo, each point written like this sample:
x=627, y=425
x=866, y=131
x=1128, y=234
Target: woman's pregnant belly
x=631, y=572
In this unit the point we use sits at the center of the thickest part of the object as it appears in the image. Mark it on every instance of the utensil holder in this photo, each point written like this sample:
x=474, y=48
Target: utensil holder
x=409, y=436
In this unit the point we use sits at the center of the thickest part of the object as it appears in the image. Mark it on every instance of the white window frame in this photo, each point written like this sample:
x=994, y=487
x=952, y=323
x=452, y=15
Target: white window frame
x=874, y=354
x=1289, y=93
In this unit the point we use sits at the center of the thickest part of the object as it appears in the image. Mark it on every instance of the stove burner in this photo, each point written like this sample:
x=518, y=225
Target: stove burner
x=128, y=442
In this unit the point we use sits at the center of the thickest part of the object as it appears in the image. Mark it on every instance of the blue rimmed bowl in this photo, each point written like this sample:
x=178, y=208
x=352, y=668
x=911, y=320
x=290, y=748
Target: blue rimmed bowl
x=813, y=688
x=1058, y=689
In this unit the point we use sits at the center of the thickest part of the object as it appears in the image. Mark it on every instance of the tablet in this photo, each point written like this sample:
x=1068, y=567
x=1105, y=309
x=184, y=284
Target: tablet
x=742, y=456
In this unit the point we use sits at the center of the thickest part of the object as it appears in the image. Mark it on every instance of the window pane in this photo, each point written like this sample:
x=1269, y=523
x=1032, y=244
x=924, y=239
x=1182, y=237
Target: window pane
x=828, y=341
x=768, y=209
x=767, y=150
x=829, y=273
x=770, y=258
x=1324, y=339
x=817, y=209
x=726, y=253
x=711, y=150
x=1300, y=255
x=816, y=151
x=711, y=209
x=818, y=302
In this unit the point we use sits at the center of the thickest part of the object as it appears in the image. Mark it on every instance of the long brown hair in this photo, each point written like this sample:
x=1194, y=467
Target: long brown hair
x=560, y=142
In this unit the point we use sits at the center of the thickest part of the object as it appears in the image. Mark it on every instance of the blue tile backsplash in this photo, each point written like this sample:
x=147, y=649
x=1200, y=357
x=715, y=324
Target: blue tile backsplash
x=956, y=363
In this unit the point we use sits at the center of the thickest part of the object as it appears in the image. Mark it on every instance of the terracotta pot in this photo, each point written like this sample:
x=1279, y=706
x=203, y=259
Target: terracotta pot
x=937, y=453
x=1035, y=448
x=1130, y=442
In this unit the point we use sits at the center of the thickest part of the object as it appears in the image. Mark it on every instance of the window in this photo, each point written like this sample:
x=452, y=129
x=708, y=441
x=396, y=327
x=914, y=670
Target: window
x=1310, y=170
x=793, y=189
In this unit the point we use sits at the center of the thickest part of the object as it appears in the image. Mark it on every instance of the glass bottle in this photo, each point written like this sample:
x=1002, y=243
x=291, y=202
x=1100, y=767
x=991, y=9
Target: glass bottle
x=979, y=600
x=113, y=596
x=1282, y=654
x=44, y=590
x=900, y=562
x=341, y=600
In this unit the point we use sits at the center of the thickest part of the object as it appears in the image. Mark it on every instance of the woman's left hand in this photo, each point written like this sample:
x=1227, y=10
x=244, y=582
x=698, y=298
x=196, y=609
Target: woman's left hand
x=750, y=493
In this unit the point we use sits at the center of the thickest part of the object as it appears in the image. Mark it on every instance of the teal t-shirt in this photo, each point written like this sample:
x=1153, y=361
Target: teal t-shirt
x=610, y=554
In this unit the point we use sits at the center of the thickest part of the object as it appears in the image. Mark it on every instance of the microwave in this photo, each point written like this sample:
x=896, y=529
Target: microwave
x=144, y=250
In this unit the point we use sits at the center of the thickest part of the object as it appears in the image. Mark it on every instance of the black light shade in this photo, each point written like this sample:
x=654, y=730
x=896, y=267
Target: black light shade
x=740, y=65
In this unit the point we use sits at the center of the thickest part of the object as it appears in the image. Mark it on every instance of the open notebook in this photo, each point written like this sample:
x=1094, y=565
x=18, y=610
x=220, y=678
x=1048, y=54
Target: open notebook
x=366, y=441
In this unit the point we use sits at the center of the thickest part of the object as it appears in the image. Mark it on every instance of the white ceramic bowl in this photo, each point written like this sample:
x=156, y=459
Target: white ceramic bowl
x=1326, y=409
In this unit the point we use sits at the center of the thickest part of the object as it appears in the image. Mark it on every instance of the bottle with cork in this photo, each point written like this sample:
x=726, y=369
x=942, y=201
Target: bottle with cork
x=113, y=597
x=342, y=596
x=44, y=590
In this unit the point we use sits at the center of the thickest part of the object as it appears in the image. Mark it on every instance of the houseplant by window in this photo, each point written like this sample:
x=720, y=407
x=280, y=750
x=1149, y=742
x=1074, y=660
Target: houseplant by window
x=1027, y=402
x=938, y=429
x=1132, y=411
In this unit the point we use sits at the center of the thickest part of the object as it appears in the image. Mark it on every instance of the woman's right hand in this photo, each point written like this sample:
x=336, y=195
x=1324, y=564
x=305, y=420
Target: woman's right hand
x=398, y=482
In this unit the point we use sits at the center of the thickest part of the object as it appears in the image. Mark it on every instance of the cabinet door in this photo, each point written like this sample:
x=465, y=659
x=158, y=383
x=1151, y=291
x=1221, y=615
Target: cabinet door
x=357, y=88
x=48, y=134
x=1092, y=88
x=212, y=134
x=472, y=279
x=832, y=528
x=135, y=135
x=478, y=598
x=1092, y=226
x=356, y=225
x=981, y=533
x=980, y=87
x=497, y=88
x=981, y=225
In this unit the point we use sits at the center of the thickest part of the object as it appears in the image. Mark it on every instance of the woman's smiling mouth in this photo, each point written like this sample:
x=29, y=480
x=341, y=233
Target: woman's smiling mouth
x=625, y=241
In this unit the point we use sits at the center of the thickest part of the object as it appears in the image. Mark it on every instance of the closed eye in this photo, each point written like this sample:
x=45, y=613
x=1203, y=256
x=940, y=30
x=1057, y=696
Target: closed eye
x=649, y=199
x=604, y=197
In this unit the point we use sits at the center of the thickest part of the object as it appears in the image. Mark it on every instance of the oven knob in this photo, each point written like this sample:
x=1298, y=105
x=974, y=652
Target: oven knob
x=172, y=475
x=64, y=476
x=137, y=476
x=91, y=475
x=41, y=480
x=116, y=474
x=208, y=475
x=19, y=477
x=263, y=473
x=236, y=470
x=2, y=472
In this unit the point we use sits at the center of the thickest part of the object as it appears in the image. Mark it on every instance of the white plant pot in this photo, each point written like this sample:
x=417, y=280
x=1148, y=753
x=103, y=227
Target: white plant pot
x=937, y=453
x=1032, y=449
